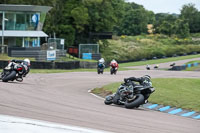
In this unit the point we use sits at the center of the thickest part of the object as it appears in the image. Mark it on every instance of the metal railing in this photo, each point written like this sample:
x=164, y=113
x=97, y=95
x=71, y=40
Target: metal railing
x=4, y=49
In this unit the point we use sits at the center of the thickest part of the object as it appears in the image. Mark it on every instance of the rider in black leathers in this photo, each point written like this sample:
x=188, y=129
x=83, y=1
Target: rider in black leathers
x=25, y=64
x=144, y=81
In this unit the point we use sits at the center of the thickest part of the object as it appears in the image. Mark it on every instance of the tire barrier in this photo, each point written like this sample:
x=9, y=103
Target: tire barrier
x=183, y=67
x=56, y=65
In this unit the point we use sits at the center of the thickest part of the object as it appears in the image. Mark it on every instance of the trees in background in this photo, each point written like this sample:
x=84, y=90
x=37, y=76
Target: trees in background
x=172, y=25
x=192, y=17
x=134, y=20
x=181, y=25
x=181, y=28
x=74, y=20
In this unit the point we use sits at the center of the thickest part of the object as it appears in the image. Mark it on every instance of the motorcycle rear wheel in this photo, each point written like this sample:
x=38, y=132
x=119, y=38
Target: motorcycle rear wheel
x=136, y=102
x=115, y=72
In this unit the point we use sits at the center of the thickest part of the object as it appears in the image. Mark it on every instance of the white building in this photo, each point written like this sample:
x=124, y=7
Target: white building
x=21, y=25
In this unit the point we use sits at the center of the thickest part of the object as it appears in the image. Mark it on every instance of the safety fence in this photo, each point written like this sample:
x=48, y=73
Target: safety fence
x=56, y=65
x=183, y=67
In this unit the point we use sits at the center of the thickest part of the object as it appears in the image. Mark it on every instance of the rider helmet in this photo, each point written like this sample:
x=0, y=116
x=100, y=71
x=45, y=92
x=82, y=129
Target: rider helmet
x=147, y=76
x=113, y=61
x=28, y=61
x=102, y=60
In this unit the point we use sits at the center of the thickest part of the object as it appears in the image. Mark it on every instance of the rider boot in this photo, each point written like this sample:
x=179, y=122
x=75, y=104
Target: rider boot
x=19, y=78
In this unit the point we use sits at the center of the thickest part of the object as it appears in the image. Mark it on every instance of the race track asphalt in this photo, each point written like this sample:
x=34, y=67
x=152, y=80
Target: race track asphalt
x=64, y=98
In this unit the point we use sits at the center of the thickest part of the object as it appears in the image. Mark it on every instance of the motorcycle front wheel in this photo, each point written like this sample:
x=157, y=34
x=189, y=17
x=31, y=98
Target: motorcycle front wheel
x=111, y=71
x=108, y=102
x=9, y=76
x=98, y=71
x=136, y=102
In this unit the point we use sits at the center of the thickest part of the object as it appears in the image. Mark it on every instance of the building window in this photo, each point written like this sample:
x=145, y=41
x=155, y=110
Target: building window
x=31, y=42
x=1, y=16
x=21, y=20
x=19, y=42
x=30, y=24
x=10, y=23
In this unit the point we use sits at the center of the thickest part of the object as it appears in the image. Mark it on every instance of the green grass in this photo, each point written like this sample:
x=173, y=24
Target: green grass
x=139, y=63
x=60, y=70
x=62, y=59
x=195, y=61
x=72, y=58
x=146, y=47
x=195, y=68
x=6, y=57
x=71, y=70
x=183, y=93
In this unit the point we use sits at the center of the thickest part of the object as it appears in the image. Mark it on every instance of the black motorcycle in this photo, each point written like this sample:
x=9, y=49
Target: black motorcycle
x=113, y=70
x=100, y=68
x=15, y=70
x=130, y=95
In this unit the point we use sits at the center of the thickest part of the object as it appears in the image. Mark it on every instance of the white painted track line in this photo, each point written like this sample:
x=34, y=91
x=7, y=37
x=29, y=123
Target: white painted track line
x=10, y=124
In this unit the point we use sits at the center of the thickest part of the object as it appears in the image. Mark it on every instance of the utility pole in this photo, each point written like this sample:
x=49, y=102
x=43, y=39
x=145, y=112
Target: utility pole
x=2, y=41
x=3, y=28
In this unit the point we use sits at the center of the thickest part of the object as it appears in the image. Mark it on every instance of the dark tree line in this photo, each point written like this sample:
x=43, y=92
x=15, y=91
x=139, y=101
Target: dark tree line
x=74, y=20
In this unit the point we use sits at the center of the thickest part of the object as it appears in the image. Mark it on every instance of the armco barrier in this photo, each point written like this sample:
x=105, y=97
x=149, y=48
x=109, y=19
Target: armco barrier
x=56, y=65
x=178, y=68
x=67, y=65
x=88, y=64
x=183, y=67
x=3, y=63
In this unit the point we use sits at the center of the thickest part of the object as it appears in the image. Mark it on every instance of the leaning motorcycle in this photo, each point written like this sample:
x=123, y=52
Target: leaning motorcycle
x=14, y=71
x=130, y=95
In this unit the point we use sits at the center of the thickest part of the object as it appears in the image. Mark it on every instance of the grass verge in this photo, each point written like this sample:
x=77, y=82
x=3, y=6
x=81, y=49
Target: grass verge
x=60, y=70
x=72, y=58
x=139, y=63
x=194, y=68
x=175, y=92
x=6, y=57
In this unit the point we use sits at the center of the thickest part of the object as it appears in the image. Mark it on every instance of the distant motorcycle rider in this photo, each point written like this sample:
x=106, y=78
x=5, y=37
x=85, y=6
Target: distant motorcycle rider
x=15, y=70
x=148, y=67
x=26, y=66
x=101, y=63
x=145, y=81
x=114, y=64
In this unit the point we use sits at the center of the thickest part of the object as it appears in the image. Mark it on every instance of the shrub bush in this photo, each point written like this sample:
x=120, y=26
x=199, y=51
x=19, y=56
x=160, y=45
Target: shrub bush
x=136, y=48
